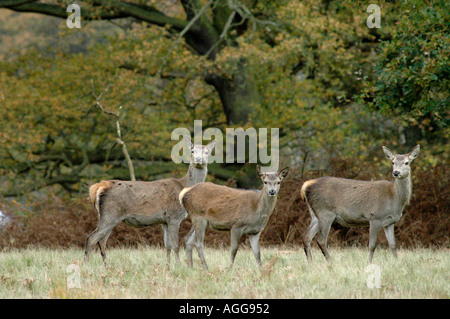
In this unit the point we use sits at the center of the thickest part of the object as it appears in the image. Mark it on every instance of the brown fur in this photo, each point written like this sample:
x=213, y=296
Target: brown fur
x=220, y=204
x=331, y=193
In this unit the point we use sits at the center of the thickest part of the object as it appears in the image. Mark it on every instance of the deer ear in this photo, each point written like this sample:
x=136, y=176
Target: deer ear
x=389, y=154
x=188, y=141
x=211, y=145
x=258, y=171
x=284, y=172
x=414, y=152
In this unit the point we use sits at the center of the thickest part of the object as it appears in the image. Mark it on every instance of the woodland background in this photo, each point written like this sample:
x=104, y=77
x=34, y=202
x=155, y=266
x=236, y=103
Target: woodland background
x=337, y=90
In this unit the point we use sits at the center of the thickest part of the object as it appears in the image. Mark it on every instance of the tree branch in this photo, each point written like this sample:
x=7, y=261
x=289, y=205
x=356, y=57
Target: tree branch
x=120, y=9
x=144, y=13
x=201, y=35
x=119, y=133
x=224, y=32
x=58, y=10
x=182, y=34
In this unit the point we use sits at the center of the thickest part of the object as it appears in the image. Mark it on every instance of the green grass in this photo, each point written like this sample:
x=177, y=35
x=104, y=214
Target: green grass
x=142, y=273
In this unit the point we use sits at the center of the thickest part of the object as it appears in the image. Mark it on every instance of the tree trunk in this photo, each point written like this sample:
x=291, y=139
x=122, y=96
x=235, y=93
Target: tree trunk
x=239, y=95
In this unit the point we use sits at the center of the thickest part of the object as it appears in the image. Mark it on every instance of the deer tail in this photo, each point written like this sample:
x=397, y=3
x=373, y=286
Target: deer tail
x=96, y=190
x=305, y=187
x=182, y=193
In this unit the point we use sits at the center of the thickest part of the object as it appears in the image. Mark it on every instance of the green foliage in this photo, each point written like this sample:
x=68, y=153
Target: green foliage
x=413, y=67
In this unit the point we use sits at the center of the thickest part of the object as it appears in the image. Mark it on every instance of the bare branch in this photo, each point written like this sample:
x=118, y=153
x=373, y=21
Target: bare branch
x=224, y=32
x=119, y=132
x=99, y=97
x=182, y=34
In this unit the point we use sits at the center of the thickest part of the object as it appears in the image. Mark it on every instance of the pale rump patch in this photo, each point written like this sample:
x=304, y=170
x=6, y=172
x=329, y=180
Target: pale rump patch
x=305, y=186
x=182, y=193
x=96, y=190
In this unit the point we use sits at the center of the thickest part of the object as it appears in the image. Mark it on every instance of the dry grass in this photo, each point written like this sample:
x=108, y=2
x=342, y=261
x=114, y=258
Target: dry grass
x=142, y=273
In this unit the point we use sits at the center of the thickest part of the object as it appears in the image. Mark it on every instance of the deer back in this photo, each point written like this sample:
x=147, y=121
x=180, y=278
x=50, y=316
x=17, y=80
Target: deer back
x=349, y=196
x=221, y=204
x=144, y=198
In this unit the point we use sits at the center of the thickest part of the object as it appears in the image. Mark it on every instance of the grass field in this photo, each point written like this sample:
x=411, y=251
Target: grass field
x=142, y=273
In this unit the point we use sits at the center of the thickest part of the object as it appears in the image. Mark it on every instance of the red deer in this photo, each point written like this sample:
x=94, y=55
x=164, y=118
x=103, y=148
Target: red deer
x=141, y=204
x=228, y=209
x=359, y=203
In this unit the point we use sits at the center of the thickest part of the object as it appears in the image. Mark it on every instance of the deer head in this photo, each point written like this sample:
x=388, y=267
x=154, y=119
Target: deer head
x=401, y=162
x=272, y=180
x=199, y=153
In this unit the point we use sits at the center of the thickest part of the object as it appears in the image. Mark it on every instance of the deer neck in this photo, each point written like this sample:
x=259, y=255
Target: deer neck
x=266, y=204
x=194, y=175
x=403, y=190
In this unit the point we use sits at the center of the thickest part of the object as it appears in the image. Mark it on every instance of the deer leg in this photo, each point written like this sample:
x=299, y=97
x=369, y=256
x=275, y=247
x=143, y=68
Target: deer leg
x=389, y=232
x=102, y=246
x=312, y=230
x=236, y=233
x=102, y=231
x=94, y=238
x=174, y=228
x=254, y=243
x=200, y=229
x=374, y=228
x=189, y=241
x=87, y=250
x=167, y=243
x=324, y=230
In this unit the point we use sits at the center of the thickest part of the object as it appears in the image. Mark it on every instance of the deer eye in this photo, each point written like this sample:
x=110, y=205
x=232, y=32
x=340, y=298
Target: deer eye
x=278, y=183
x=406, y=163
x=265, y=183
